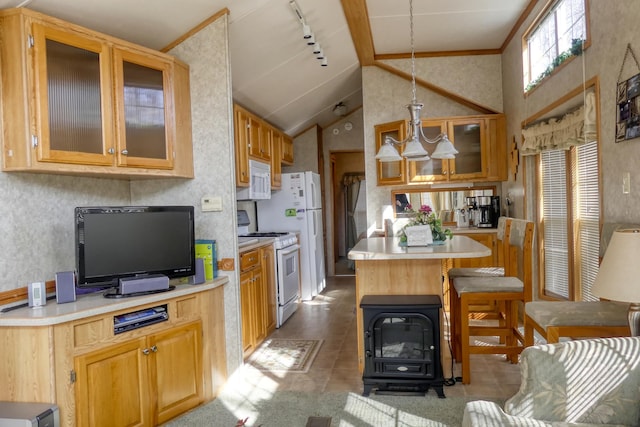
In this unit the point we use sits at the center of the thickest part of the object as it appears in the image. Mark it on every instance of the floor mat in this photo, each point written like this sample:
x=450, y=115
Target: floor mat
x=285, y=355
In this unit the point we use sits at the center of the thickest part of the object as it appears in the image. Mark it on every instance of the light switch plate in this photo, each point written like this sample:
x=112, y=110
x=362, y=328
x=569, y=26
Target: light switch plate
x=211, y=204
x=626, y=183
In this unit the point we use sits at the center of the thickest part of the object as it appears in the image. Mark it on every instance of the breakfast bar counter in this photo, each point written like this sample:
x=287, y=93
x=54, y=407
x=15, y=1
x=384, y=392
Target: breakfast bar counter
x=383, y=267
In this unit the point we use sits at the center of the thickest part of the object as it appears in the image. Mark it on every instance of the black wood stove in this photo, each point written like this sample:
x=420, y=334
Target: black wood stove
x=402, y=343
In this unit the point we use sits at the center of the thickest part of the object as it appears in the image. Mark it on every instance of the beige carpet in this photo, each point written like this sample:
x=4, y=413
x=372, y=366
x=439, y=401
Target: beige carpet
x=285, y=355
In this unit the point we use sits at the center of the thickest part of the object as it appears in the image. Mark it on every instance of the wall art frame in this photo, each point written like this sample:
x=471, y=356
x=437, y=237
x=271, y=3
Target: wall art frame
x=628, y=103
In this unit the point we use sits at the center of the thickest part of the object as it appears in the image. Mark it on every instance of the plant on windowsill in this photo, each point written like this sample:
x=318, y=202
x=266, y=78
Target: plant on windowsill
x=576, y=49
x=425, y=216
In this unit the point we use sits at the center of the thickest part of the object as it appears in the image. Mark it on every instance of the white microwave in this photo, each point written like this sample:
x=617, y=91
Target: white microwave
x=259, y=182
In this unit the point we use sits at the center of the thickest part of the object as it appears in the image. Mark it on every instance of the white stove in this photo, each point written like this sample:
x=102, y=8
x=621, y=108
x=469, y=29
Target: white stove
x=280, y=240
x=287, y=261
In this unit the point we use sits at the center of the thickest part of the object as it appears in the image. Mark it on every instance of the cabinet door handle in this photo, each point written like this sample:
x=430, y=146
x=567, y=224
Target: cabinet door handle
x=111, y=150
x=154, y=349
x=145, y=351
x=124, y=152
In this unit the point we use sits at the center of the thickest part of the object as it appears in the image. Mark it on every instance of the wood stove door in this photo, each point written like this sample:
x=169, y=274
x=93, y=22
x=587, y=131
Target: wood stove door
x=402, y=345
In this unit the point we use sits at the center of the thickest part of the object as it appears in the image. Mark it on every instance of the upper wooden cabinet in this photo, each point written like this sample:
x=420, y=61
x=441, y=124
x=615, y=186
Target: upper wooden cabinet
x=276, y=159
x=390, y=173
x=86, y=103
x=256, y=139
x=481, y=145
x=287, y=150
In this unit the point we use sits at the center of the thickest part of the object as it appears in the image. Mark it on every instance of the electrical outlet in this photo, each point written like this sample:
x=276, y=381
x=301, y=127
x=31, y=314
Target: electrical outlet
x=626, y=183
x=211, y=204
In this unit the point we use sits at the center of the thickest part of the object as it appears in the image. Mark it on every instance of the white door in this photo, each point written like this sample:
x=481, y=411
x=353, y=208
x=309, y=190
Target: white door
x=316, y=252
x=312, y=190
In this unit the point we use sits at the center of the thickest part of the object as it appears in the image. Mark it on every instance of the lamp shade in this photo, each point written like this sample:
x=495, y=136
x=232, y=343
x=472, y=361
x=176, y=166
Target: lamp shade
x=414, y=149
x=445, y=149
x=619, y=276
x=388, y=153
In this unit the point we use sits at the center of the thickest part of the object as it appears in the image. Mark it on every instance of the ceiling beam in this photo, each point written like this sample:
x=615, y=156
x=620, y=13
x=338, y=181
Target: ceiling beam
x=437, y=89
x=438, y=54
x=355, y=11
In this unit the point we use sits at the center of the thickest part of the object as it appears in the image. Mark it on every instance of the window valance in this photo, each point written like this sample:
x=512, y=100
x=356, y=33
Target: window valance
x=575, y=128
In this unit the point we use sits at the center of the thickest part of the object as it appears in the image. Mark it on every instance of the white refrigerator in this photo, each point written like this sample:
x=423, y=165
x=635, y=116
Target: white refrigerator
x=297, y=207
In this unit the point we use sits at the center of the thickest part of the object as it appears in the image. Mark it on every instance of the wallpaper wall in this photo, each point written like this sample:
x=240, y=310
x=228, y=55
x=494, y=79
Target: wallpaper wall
x=612, y=26
x=36, y=222
x=305, y=152
x=207, y=54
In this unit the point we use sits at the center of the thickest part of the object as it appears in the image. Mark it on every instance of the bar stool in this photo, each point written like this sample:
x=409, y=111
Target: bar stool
x=482, y=311
x=510, y=291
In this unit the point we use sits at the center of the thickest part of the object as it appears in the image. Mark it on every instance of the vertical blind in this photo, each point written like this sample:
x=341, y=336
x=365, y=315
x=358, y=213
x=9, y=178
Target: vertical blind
x=554, y=222
x=587, y=211
x=570, y=209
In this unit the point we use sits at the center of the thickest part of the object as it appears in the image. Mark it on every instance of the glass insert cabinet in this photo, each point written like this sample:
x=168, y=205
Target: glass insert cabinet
x=78, y=104
x=480, y=141
x=90, y=104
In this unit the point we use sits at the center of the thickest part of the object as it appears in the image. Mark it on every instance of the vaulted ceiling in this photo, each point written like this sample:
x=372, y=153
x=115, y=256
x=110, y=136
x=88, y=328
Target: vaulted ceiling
x=275, y=73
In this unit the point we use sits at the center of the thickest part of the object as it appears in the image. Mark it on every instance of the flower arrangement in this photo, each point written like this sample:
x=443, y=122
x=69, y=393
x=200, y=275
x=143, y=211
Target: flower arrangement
x=426, y=216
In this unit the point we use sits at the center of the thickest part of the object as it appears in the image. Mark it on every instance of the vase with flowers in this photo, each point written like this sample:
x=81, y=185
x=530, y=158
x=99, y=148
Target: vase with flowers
x=425, y=216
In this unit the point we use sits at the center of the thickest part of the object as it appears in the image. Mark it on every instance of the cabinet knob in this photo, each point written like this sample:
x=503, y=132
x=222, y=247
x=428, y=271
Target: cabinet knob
x=124, y=152
x=111, y=150
x=154, y=349
x=145, y=351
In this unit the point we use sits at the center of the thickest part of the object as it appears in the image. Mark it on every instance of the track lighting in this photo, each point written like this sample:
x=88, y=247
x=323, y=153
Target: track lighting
x=307, y=33
x=311, y=40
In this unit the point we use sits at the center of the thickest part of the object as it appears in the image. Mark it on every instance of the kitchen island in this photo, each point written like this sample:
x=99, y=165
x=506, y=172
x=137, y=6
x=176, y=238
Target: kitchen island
x=383, y=267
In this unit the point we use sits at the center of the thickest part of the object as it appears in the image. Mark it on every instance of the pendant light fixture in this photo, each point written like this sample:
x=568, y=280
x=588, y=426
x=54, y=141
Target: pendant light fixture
x=413, y=148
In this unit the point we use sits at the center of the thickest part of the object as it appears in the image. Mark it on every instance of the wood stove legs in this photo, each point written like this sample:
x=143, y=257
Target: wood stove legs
x=401, y=386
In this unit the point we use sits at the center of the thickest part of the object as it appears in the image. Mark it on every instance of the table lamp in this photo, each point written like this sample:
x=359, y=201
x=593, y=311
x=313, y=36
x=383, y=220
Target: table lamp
x=619, y=276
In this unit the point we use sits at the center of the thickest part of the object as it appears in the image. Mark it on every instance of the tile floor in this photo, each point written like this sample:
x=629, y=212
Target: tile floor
x=331, y=317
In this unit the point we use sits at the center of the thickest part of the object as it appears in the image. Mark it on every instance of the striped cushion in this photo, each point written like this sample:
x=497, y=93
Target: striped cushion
x=578, y=313
x=487, y=284
x=476, y=272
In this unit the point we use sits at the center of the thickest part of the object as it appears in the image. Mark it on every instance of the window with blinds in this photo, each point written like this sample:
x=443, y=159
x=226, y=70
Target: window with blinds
x=570, y=218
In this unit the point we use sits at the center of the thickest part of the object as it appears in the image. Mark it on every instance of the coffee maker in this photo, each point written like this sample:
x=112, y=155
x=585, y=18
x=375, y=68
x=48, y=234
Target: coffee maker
x=485, y=212
x=472, y=210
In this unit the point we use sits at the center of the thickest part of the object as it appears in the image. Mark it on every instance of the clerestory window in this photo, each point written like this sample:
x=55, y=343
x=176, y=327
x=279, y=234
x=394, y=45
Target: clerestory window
x=559, y=33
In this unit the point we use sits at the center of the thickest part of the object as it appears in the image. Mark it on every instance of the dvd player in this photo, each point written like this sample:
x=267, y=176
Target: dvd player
x=138, y=319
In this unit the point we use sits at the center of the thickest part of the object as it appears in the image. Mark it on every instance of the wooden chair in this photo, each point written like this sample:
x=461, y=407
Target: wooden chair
x=483, y=310
x=578, y=319
x=511, y=291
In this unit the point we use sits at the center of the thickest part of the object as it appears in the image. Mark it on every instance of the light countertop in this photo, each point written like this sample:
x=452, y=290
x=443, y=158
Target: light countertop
x=254, y=243
x=381, y=248
x=95, y=304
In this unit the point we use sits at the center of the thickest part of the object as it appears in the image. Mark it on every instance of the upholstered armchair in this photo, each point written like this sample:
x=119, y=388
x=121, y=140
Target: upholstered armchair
x=590, y=382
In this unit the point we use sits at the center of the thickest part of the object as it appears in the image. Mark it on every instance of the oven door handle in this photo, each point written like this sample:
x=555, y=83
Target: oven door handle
x=289, y=249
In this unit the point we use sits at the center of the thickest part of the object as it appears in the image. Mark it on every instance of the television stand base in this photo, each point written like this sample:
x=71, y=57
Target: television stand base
x=113, y=293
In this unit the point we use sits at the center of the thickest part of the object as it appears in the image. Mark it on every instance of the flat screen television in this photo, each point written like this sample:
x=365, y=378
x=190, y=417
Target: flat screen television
x=133, y=241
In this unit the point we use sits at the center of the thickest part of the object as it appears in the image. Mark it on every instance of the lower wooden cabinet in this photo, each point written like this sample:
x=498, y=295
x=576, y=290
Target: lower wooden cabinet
x=141, y=377
x=269, y=270
x=257, y=297
x=487, y=239
x=145, y=381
